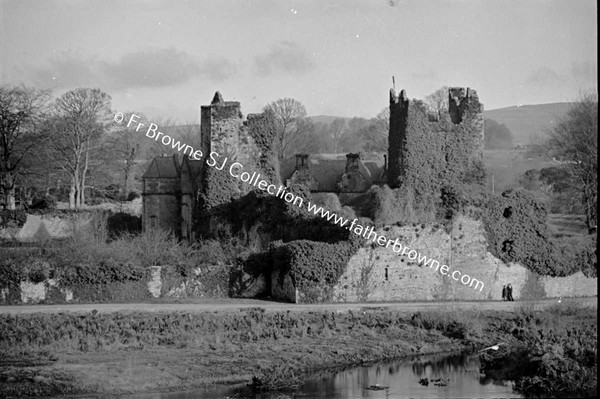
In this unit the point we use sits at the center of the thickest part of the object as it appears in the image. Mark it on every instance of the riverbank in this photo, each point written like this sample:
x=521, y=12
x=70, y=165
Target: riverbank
x=48, y=354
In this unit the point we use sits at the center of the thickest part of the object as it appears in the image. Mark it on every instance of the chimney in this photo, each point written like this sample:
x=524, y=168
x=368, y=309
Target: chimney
x=352, y=161
x=384, y=161
x=301, y=161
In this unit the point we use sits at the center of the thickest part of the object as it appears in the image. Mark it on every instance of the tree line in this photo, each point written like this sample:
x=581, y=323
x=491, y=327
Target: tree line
x=49, y=146
x=70, y=143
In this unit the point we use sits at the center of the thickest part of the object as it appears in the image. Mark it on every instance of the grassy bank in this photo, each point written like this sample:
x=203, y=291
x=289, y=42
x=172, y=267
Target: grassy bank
x=45, y=354
x=556, y=353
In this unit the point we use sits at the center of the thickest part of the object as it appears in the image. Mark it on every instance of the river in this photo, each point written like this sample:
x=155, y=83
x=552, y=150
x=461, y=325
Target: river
x=431, y=376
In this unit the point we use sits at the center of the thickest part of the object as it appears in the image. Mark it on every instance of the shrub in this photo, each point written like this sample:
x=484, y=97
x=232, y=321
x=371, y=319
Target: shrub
x=463, y=199
x=9, y=218
x=515, y=224
x=311, y=263
x=587, y=258
x=47, y=202
x=123, y=223
x=133, y=195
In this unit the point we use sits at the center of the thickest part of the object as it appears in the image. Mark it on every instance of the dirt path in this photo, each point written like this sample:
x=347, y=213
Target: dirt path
x=229, y=305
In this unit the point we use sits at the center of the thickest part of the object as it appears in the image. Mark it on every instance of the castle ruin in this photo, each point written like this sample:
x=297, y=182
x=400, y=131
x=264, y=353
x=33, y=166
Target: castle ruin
x=423, y=152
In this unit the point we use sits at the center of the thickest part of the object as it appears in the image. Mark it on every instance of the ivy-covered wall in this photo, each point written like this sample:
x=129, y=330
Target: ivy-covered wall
x=516, y=230
x=428, y=152
x=261, y=130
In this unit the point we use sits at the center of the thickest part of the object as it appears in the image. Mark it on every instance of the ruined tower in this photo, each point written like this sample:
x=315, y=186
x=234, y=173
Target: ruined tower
x=464, y=107
x=428, y=153
x=221, y=122
x=220, y=126
x=396, y=139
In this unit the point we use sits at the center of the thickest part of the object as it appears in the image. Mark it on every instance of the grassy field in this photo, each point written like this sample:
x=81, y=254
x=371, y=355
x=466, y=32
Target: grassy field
x=528, y=121
x=568, y=225
x=45, y=354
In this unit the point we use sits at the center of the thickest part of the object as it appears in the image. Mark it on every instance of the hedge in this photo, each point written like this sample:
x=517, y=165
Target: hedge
x=311, y=263
x=9, y=218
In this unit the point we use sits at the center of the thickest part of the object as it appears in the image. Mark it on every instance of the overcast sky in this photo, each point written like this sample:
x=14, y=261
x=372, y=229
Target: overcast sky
x=168, y=57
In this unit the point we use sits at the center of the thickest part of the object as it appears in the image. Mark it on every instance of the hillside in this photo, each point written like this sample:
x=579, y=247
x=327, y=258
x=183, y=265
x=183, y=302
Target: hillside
x=527, y=121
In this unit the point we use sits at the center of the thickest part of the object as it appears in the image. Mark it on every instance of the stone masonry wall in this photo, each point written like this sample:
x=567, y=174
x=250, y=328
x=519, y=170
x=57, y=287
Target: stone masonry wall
x=40, y=228
x=164, y=208
x=365, y=277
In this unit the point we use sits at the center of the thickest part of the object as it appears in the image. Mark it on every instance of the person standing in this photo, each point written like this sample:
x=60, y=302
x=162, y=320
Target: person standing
x=509, y=292
x=504, y=292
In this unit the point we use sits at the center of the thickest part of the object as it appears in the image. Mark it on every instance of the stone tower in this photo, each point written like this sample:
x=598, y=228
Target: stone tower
x=220, y=126
x=397, y=136
x=464, y=107
x=428, y=153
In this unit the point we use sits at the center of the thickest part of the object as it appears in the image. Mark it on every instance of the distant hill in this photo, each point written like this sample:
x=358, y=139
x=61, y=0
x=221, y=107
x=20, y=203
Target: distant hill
x=527, y=121
x=523, y=121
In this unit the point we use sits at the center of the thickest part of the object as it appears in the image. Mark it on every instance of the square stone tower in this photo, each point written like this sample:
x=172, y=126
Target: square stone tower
x=220, y=126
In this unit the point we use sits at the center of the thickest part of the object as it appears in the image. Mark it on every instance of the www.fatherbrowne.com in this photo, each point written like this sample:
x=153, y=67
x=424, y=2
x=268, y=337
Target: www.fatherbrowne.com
x=253, y=179
x=370, y=234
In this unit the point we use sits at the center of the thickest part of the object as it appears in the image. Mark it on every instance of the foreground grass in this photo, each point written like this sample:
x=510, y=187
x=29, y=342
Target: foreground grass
x=556, y=355
x=46, y=354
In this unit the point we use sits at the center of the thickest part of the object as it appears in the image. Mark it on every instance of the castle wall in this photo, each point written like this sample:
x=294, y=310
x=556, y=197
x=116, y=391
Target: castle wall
x=426, y=154
x=161, y=204
x=258, y=142
x=380, y=274
x=397, y=136
x=219, y=127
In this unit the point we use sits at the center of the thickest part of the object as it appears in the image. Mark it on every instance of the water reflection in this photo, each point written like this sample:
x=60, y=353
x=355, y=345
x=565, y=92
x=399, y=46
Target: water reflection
x=459, y=374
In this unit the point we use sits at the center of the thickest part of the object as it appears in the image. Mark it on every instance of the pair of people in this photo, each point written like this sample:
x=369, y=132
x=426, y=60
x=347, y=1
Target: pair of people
x=507, y=292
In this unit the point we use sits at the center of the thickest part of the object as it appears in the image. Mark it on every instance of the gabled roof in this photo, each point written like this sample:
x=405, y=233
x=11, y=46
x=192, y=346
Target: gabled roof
x=192, y=167
x=162, y=167
x=327, y=171
x=375, y=169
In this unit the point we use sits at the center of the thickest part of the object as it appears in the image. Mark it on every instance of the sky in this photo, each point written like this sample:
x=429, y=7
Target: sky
x=165, y=58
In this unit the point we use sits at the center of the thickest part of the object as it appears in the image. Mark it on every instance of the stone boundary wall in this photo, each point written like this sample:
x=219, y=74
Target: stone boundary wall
x=379, y=274
x=158, y=285
x=39, y=228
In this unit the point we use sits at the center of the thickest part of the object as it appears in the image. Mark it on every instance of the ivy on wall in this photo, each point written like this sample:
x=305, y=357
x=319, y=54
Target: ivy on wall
x=426, y=154
x=313, y=263
x=515, y=225
x=262, y=129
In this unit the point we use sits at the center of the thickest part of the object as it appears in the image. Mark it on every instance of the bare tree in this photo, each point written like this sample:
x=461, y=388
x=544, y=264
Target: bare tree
x=126, y=146
x=291, y=124
x=337, y=129
x=21, y=110
x=80, y=118
x=574, y=142
x=375, y=134
x=352, y=140
x=438, y=100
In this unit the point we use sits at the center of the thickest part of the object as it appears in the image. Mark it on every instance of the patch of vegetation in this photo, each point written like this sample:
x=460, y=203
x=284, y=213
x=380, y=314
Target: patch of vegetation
x=313, y=265
x=516, y=229
x=123, y=223
x=10, y=218
x=556, y=355
x=240, y=341
x=96, y=270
